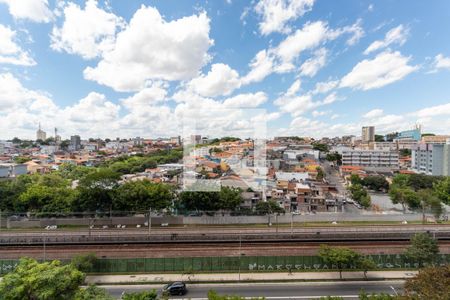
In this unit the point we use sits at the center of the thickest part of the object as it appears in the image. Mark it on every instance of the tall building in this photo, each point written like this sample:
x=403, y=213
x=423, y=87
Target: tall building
x=432, y=158
x=75, y=143
x=371, y=159
x=368, y=134
x=40, y=134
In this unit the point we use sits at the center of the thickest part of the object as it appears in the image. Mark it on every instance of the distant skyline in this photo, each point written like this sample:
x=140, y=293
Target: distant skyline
x=142, y=68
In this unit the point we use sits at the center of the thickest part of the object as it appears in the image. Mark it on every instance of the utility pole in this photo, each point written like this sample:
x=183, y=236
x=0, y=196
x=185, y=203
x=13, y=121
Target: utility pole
x=292, y=224
x=276, y=220
x=149, y=221
x=240, y=253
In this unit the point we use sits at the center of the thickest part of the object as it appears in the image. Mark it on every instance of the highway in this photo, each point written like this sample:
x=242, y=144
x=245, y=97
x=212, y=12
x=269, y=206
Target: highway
x=299, y=290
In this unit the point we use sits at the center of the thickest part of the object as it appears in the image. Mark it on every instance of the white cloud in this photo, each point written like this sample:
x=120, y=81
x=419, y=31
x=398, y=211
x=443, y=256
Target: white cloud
x=150, y=48
x=87, y=32
x=284, y=57
x=312, y=65
x=10, y=51
x=319, y=113
x=325, y=87
x=246, y=100
x=13, y=95
x=93, y=108
x=221, y=80
x=146, y=97
x=277, y=13
x=373, y=113
x=386, y=68
x=438, y=110
x=34, y=10
x=294, y=88
x=371, y=7
x=441, y=62
x=397, y=35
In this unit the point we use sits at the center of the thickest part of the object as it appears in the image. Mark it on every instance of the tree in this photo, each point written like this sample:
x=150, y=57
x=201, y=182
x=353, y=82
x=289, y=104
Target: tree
x=429, y=283
x=379, y=138
x=404, y=196
x=320, y=174
x=141, y=195
x=145, y=295
x=96, y=190
x=92, y=292
x=321, y=147
x=360, y=195
x=31, y=280
x=43, y=198
x=339, y=257
x=430, y=202
x=84, y=262
x=268, y=207
x=442, y=190
x=423, y=249
x=230, y=198
x=355, y=179
x=366, y=264
x=334, y=157
x=405, y=152
x=376, y=183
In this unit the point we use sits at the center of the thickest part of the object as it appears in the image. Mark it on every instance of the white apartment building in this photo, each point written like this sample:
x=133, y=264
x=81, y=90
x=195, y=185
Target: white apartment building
x=432, y=159
x=371, y=158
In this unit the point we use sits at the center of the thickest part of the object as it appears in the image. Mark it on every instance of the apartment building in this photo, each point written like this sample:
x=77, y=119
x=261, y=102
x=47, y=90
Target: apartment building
x=371, y=159
x=432, y=159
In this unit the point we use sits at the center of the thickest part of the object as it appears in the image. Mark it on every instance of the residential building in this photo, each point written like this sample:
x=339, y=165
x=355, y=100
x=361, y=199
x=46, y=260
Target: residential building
x=371, y=159
x=432, y=159
x=75, y=143
x=439, y=139
x=368, y=134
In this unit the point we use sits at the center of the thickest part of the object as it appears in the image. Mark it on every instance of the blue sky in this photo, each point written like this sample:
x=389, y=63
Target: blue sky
x=144, y=68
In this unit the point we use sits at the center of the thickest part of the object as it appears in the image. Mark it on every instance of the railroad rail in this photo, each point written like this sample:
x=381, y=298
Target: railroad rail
x=221, y=235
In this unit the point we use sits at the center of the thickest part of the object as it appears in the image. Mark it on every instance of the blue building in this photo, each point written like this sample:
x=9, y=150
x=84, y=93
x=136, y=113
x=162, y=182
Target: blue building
x=413, y=134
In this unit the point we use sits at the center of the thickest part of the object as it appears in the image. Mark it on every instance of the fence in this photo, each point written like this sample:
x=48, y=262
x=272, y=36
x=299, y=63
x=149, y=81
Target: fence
x=231, y=264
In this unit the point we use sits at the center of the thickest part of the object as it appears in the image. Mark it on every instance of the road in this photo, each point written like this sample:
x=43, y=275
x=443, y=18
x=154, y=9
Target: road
x=300, y=290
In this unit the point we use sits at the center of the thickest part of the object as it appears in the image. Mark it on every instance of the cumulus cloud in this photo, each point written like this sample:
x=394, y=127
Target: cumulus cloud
x=246, y=100
x=87, y=32
x=146, y=97
x=276, y=14
x=441, y=62
x=397, y=35
x=438, y=110
x=93, y=108
x=373, y=113
x=312, y=65
x=33, y=10
x=283, y=58
x=325, y=87
x=221, y=80
x=10, y=51
x=150, y=48
x=386, y=68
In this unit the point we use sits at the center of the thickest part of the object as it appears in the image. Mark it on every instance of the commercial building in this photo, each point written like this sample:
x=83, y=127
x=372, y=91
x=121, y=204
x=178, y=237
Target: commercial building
x=414, y=134
x=40, y=134
x=371, y=159
x=75, y=143
x=435, y=139
x=368, y=134
x=432, y=159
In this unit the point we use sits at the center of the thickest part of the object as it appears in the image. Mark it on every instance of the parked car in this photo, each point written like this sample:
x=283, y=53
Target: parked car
x=175, y=288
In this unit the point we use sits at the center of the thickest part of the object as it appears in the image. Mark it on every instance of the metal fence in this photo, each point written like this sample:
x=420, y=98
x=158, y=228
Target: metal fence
x=231, y=264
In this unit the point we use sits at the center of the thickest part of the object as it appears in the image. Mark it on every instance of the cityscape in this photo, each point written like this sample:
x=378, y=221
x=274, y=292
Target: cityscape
x=225, y=150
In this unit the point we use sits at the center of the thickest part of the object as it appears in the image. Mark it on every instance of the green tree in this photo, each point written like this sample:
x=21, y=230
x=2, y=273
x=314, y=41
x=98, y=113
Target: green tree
x=404, y=196
x=360, y=195
x=376, y=183
x=339, y=257
x=430, y=283
x=268, y=207
x=84, y=262
x=199, y=201
x=230, y=198
x=96, y=190
x=31, y=280
x=43, y=198
x=423, y=249
x=442, y=190
x=320, y=174
x=321, y=147
x=141, y=195
x=145, y=295
x=355, y=179
x=366, y=264
x=429, y=201
x=92, y=292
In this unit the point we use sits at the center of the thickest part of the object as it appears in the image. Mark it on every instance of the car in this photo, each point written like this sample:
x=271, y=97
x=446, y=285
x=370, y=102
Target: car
x=175, y=288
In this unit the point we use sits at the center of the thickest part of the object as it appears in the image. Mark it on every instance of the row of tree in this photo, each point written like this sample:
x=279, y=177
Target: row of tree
x=420, y=192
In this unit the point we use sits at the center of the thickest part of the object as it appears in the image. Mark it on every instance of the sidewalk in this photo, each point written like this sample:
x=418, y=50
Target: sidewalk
x=234, y=277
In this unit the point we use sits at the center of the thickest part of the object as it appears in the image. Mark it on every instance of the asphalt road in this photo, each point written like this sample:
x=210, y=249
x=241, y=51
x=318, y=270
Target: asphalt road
x=300, y=290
